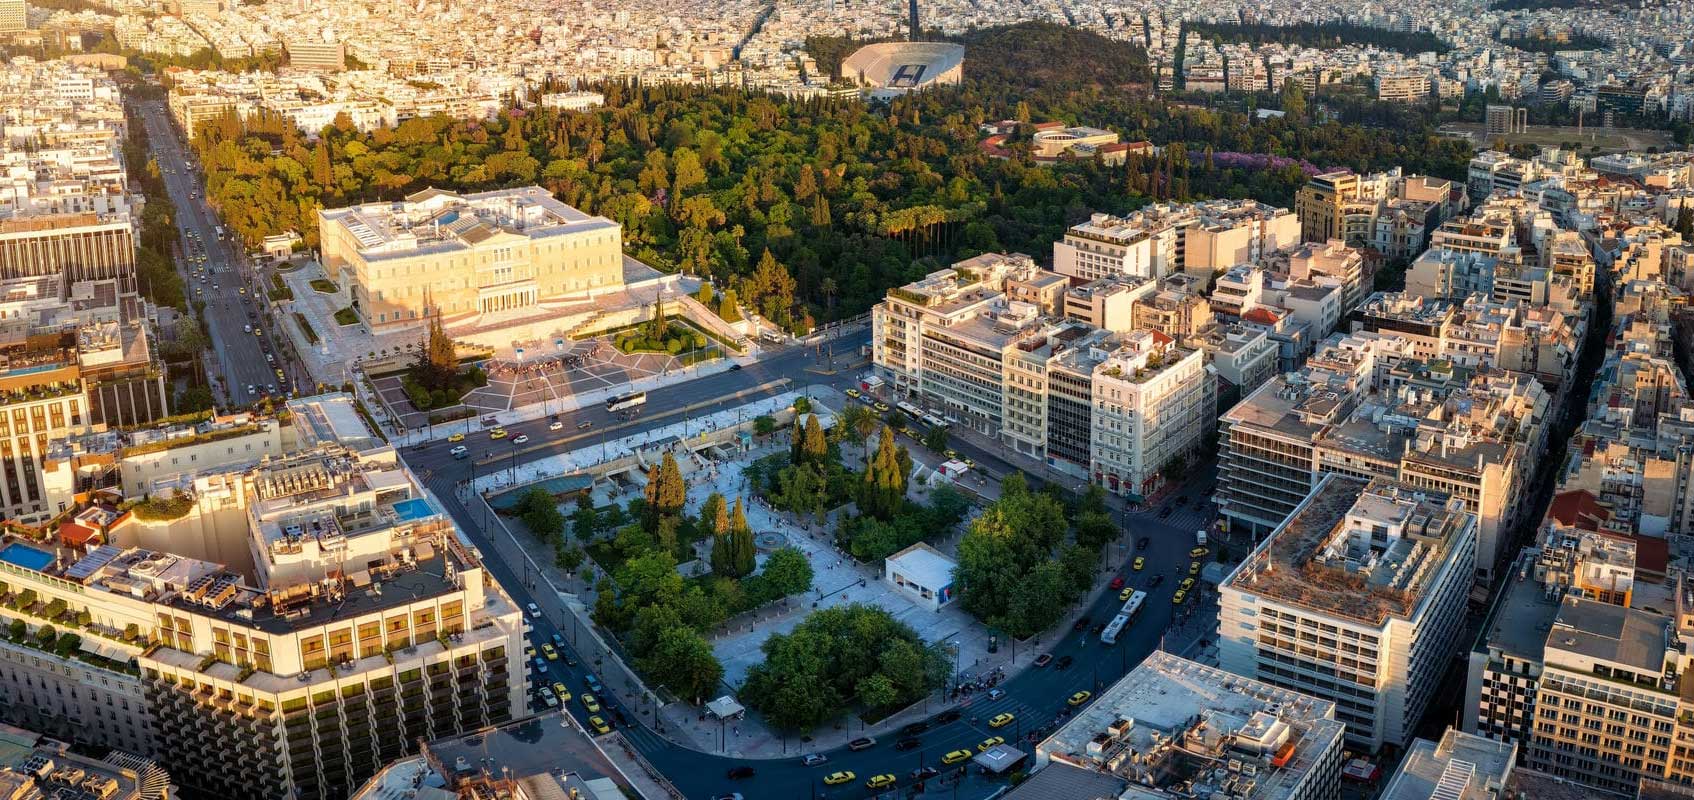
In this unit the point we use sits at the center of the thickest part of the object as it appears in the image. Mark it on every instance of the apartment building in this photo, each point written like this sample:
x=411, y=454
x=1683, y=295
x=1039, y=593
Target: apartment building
x=1153, y=403
x=1114, y=407
x=1403, y=87
x=1243, y=357
x=14, y=16
x=1176, y=728
x=508, y=250
x=1389, y=212
x=1200, y=239
x=1140, y=246
x=1108, y=303
x=1357, y=598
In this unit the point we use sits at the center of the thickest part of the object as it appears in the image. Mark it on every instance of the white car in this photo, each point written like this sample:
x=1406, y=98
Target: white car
x=556, y=425
x=522, y=438
x=459, y=449
x=533, y=610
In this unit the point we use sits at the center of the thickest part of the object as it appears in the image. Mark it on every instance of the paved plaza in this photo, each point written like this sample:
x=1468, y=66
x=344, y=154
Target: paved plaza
x=560, y=375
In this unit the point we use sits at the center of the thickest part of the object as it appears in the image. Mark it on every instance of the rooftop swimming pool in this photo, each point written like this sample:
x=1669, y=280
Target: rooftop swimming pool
x=22, y=555
x=407, y=510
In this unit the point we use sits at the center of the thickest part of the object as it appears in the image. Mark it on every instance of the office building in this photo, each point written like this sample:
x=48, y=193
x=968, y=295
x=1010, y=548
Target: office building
x=1174, y=728
x=78, y=247
x=317, y=55
x=508, y=250
x=1357, y=598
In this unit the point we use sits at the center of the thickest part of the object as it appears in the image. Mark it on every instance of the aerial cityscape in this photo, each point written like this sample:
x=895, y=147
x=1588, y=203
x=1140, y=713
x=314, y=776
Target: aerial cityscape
x=833, y=399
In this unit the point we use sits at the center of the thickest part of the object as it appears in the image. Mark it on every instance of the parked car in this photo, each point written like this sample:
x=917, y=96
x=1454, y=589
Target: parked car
x=908, y=743
x=1064, y=662
x=914, y=728
x=814, y=759
x=1043, y=660
x=739, y=773
x=1081, y=625
x=862, y=743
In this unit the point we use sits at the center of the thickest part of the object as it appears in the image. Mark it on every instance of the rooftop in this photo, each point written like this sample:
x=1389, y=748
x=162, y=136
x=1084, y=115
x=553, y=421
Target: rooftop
x=1462, y=766
x=1592, y=630
x=441, y=221
x=1357, y=549
x=1174, y=728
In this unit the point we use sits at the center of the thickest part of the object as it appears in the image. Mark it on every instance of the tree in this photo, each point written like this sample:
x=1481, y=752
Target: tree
x=742, y=535
x=683, y=661
x=665, y=491
x=936, y=439
x=438, y=358
x=998, y=558
x=815, y=446
x=1094, y=529
x=877, y=691
x=764, y=425
x=884, y=492
x=1293, y=99
x=787, y=571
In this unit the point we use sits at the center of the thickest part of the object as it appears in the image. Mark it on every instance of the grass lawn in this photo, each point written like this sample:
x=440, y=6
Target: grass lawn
x=346, y=316
x=324, y=285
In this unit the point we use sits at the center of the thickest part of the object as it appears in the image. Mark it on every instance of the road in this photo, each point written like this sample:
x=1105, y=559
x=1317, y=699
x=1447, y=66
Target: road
x=230, y=315
x=1035, y=696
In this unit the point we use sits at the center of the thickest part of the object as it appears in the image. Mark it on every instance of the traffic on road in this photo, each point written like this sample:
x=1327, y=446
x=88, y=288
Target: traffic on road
x=980, y=711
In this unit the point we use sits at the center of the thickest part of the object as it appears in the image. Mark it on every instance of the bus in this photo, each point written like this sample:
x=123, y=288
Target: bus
x=220, y=231
x=1131, y=608
x=626, y=401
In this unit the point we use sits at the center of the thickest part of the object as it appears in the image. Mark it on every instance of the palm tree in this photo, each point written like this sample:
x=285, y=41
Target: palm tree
x=858, y=420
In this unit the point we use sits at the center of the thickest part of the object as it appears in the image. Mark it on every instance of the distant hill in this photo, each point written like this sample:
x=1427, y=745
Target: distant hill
x=1022, y=56
x=1045, y=55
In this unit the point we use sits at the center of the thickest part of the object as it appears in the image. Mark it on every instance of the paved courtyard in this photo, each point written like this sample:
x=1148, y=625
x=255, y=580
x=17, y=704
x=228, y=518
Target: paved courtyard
x=567, y=369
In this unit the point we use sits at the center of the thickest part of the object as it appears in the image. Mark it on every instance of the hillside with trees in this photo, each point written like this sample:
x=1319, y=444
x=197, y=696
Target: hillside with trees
x=1320, y=34
x=808, y=209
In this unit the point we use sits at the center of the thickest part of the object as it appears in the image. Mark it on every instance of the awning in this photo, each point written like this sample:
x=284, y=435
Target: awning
x=998, y=758
x=724, y=707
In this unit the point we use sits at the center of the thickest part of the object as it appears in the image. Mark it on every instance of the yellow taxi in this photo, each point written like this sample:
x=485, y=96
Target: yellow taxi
x=853, y=393
x=956, y=756
x=549, y=651
x=457, y=437
x=838, y=778
x=497, y=433
x=599, y=725
x=1139, y=563
x=1123, y=596
x=880, y=782
x=1193, y=567
x=1079, y=698
x=1181, y=595
x=1198, y=552
x=990, y=743
x=1001, y=720
x=563, y=693
x=590, y=703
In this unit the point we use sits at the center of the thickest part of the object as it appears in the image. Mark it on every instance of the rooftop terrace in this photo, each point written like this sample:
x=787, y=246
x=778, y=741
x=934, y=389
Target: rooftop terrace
x=1356, y=549
x=1173, y=727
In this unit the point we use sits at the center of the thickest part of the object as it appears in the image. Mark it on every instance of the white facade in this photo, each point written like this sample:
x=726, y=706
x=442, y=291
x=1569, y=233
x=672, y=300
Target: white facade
x=1371, y=619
